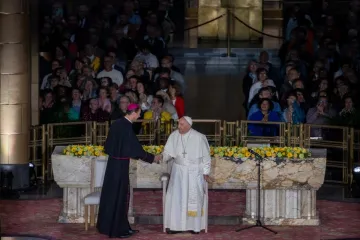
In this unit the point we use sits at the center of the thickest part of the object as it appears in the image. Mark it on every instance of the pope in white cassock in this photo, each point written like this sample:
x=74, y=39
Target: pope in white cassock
x=185, y=197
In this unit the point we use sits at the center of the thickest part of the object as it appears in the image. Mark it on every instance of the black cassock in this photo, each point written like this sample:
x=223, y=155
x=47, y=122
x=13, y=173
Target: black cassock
x=121, y=145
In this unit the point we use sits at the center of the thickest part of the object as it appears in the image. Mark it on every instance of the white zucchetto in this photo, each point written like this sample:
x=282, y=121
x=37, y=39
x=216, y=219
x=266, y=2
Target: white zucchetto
x=188, y=119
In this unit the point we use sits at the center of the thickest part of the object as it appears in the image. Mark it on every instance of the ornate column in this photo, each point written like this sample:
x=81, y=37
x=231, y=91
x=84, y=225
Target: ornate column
x=15, y=90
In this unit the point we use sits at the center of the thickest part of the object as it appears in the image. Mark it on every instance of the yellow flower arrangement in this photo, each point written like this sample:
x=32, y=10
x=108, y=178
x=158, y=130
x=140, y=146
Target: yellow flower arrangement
x=223, y=152
x=154, y=149
x=243, y=152
x=266, y=152
x=84, y=150
x=165, y=116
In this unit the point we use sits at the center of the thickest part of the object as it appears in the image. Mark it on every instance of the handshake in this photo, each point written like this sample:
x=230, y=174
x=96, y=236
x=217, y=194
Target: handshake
x=158, y=158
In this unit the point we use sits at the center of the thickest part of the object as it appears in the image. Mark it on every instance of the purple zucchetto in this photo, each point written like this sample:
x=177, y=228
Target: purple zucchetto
x=133, y=106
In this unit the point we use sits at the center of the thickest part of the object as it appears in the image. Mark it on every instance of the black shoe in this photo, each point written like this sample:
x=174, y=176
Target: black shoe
x=168, y=231
x=123, y=236
x=133, y=231
x=193, y=232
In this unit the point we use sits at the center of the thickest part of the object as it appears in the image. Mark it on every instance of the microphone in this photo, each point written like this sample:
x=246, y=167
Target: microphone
x=255, y=153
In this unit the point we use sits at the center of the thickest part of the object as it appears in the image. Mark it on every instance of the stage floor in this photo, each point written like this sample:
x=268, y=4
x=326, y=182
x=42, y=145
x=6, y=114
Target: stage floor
x=39, y=217
x=24, y=238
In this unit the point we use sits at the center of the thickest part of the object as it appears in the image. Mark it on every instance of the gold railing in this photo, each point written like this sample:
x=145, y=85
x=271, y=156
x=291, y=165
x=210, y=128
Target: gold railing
x=343, y=143
x=278, y=139
x=336, y=140
x=37, y=147
x=231, y=133
x=211, y=128
x=58, y=134
x=294, y=135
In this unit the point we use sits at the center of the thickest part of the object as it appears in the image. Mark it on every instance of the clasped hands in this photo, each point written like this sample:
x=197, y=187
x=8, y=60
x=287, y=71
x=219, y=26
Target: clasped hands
x=159, y=157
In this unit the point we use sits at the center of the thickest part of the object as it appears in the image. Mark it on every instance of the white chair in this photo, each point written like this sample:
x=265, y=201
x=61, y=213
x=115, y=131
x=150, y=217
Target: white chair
x=256, y=145
x=164, y=180
x=93, y=199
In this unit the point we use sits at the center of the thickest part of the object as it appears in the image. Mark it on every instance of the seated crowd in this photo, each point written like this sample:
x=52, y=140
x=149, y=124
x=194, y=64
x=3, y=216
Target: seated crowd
x=317, y=82
x=104, y=60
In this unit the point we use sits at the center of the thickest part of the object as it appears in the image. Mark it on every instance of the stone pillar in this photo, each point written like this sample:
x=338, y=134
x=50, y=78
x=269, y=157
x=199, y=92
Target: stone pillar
x=15, y=91
x=34, y=69
x=282, y=207
x=191, y=20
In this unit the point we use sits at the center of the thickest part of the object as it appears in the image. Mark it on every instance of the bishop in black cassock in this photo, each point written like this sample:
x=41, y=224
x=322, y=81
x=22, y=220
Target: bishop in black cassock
x=121, y=145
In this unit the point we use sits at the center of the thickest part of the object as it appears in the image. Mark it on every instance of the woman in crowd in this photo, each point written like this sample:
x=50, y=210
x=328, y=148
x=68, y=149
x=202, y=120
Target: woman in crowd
x=262, y=81
x=265, y=114
x=75, y=106
x=90, y=89
x=176, y=98
x=144, y=97
x=103, y=100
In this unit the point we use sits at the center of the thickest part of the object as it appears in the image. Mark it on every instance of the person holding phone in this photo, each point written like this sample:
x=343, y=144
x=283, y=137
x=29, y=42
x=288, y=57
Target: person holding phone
x=320, y=115
x=293, y=113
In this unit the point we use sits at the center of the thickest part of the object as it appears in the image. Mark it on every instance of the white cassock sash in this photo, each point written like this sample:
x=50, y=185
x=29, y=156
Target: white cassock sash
x=195, y=196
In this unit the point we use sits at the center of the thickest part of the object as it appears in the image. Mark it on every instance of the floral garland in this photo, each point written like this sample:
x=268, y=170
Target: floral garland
x=84, y=150
x=223, y=152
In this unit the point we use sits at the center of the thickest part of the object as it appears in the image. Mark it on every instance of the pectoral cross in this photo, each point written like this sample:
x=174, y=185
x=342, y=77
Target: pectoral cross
x=184, y=153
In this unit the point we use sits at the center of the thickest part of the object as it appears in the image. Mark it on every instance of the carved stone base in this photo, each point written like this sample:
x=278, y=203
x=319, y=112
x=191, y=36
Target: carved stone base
x=283, y=221
x=73, y=205
x=282, y=207
x=67, y=218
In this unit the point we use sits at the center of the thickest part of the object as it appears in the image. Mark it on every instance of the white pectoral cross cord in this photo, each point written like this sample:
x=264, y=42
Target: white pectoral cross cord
x=184, y=145
x=184, y=153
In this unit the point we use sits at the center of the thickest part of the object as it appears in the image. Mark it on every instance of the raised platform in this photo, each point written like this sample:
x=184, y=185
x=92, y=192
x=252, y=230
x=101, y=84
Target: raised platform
x=14, y=237
x=339, y=220
x=225, y=207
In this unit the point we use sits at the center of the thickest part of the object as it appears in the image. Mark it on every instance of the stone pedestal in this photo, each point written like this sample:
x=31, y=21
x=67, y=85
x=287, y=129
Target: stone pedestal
x=282, y=207
x=73, y=175
x=73, y=204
